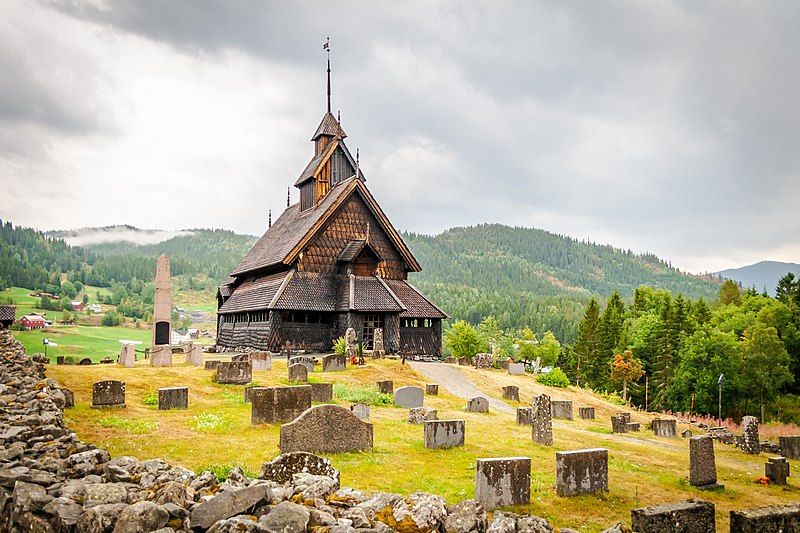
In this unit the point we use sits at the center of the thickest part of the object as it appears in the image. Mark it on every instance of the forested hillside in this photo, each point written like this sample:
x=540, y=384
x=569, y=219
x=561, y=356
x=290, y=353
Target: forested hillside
x=531, y=277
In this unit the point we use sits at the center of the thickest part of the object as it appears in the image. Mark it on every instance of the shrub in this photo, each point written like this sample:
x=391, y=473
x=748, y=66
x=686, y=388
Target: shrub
x=355, y=394
x=223, y=471
x=151, y=398
x=340, y=345
x=72, y=359
x=462, y=339
x=111, y=318
x=554, y=378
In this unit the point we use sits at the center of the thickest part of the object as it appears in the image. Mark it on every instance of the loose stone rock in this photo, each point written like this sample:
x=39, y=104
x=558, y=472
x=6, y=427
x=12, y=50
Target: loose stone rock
x=283, y=468
x=465, y=517
x=227, y=504
x=141, y=517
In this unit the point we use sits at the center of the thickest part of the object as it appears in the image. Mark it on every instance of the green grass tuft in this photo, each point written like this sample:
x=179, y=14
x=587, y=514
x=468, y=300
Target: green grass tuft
x=211, y=423
x=151, y=398
x=356, y=394
x=136, y=427
x=222, y=471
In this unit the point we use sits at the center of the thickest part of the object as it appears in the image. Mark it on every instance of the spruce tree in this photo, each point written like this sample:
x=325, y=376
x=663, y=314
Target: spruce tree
x=587, y=345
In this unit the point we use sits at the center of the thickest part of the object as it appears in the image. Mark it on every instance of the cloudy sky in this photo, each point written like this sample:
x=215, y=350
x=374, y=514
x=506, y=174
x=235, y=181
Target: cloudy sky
x=671, y=127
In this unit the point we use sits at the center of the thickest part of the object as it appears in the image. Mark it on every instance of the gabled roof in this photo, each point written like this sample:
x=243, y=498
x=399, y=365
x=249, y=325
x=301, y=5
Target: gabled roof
x=353, y=248
x=254, y=295
x=329, y=126
x=294, y=229
x=319, y=160
x=370, y=293
x=415, y=303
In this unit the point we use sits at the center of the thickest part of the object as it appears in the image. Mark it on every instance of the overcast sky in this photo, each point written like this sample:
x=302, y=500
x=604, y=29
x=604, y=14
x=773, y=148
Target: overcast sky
x=671, y=127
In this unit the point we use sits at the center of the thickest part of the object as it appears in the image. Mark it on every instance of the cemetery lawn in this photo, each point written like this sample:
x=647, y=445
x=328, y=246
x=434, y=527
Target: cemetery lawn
x=215, y=433
x=95, y=342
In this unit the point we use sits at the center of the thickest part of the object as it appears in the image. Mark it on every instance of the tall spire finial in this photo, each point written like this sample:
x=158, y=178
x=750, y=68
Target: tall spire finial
x=358, y=156
x=327, y=48
x=270, y=219
x=288, y=195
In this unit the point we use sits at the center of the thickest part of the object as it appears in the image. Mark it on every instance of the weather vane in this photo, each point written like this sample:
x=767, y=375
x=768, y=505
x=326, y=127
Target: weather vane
x=327, y=48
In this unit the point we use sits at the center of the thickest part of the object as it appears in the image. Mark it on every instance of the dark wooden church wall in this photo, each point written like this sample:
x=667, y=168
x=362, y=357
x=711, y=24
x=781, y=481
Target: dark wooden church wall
x=350, y=222
x=261, y=335
x=391, y=332
x=308, y=336
x=424, y=341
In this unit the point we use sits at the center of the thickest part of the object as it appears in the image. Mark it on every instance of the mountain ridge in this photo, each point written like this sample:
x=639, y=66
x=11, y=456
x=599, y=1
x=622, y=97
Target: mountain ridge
x=761, y=275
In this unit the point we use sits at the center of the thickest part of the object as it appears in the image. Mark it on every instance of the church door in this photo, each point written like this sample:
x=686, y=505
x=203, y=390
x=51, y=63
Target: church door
x=368, y=332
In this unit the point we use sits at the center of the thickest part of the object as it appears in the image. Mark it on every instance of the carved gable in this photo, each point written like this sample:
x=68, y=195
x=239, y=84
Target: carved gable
x=350, y=222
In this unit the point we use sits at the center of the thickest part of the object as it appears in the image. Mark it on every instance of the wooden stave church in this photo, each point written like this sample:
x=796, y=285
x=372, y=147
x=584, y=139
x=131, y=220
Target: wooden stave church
x=330, y=262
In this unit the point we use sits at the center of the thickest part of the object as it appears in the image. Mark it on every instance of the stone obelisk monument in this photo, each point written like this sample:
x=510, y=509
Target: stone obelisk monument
x=161, y=353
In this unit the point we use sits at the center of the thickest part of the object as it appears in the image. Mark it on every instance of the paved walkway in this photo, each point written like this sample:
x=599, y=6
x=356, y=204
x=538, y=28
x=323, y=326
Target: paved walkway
x=449, y=378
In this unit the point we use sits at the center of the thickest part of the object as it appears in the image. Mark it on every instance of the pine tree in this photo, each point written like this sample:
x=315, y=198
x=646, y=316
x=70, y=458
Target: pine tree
x=667, y=347
x=587, y=345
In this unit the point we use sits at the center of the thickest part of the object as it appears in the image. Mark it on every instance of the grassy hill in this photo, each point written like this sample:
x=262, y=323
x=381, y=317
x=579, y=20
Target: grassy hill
x=215, y=433
x=527, y=276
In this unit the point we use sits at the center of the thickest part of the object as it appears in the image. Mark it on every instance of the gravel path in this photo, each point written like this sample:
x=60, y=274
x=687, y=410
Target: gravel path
x=449, y=378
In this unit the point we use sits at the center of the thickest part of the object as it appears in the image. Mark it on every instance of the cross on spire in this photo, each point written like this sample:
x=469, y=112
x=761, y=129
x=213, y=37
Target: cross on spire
x=327, y=48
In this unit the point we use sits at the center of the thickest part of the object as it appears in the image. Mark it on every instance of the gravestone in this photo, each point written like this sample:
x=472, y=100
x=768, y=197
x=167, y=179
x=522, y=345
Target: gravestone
x=634, y=426
x=483, y=360
x=444, y=433
x=194, y=354
x=109, y=393
x=326, y=429
x=303, y=360
x=409, y=397
x=702, y=467
x=360, y=410
x=350, y=343
x=261, y=360
x=581, y=471
x=511, y=392
x=464, y=361
x=211, y=365
x=619, y=424
x=298, y=373
x=161, y=355
x=665, y=428
x=86, y=361
x=541, y=420
x=586, y=413
x=237, y=373
x=562, y=409
x=776, y=469
x=127, y=355
x=516, y=369
x=104, y=361
x=173, y=398
x=334, y=363
x=321, y=392
x=386, y=387
x=790, y=446
x=420, y=415
x=776, y=519
x=524, y=416
x=503, y=481
x=686, y=433
x=377, y=343
x=431, y=389
x=69, y=398
x=248, y=392
x=282, y=469
x=450, y=360
x=690, y=516
x=750, y=442
x=479, y=404
x=279, y=404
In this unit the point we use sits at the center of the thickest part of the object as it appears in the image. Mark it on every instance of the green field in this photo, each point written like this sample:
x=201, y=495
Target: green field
x=96, y=342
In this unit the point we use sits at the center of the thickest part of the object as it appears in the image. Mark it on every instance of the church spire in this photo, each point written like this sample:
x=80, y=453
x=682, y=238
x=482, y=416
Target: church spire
x=327, y=48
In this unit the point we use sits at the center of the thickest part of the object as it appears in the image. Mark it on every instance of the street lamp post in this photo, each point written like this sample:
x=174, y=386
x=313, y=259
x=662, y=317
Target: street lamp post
x=720, y=381
x=46, y=343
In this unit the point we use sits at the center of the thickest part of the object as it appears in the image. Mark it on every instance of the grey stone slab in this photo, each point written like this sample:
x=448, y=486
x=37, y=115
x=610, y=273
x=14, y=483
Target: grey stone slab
x=665, y=428
x=334, y=363
x=776, y=469
x=409, y=397
x=444, y=433
x=298, y=373
x=561, y=409
x=234, y=372
x=790, y=446
x=776, y=519
x=173, y=398
x=524, y=416
x=108, y=393
x=516, y=369
x=279, y=404
x=541, y=420
x=479, y=404
x=360, y=410
x=502, y=481
x=586, y=413
x=321, y=392
x=702, y=465
x=511, y=392
x=690, y=516
x=326, y=429
x=581, y=471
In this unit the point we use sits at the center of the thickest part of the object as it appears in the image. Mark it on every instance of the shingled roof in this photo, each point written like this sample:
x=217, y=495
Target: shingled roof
x=416, y=305
x=254, y=295
x=294, y=229
x=369, y=293
x=311, y=291
x=7, y=313
x=329, y=126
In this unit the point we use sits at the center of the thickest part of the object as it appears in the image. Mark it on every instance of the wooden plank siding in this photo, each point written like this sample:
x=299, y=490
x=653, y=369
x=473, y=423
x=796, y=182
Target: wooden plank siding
x=351, y=222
